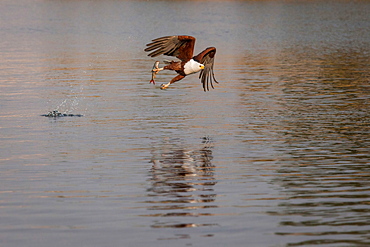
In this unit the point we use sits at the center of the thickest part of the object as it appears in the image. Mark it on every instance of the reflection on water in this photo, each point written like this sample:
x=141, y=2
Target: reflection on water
x=182, y=183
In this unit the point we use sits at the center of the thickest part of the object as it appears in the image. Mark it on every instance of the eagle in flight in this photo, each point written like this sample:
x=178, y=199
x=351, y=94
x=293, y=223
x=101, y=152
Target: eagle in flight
x=182, y=47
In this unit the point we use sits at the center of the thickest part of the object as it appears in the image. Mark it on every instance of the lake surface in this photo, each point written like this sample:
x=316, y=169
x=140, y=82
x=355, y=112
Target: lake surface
x=278, y=154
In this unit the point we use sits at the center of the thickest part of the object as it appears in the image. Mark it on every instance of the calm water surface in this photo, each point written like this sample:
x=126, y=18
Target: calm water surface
x=277, y=155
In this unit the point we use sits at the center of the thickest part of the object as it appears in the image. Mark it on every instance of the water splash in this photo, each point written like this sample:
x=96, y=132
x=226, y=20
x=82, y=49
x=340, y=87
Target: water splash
x=55, y=114
x=68, y=106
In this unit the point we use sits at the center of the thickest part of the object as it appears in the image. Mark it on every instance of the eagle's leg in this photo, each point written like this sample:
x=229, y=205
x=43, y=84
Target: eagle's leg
x=176, y=78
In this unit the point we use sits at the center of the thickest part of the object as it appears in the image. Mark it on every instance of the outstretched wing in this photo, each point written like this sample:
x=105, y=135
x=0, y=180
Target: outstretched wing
x=207, y=58
x=180, y=46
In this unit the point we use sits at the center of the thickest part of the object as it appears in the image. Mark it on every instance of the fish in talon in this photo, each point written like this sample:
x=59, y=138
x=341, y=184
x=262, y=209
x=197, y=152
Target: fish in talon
x=154, y=71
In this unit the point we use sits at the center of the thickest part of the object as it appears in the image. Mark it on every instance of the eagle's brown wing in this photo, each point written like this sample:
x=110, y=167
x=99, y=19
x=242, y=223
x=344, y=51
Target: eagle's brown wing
x=180, y=46
x=206, y=75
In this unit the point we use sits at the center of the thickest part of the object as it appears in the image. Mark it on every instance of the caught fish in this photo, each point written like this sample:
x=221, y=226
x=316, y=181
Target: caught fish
x=154, y=71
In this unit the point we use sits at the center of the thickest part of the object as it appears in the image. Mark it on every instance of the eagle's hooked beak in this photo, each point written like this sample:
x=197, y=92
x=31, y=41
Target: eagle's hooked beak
x=202, y=66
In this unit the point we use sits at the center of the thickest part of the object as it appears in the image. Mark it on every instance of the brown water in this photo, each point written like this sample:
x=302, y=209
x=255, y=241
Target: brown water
x=277, y=155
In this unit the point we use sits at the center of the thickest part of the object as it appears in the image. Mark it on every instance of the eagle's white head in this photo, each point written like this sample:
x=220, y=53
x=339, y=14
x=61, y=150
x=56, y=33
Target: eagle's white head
x=192, y=67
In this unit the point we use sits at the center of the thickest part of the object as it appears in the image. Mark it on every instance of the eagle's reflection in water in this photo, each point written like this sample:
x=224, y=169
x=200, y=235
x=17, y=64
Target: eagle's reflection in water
x=181, y=186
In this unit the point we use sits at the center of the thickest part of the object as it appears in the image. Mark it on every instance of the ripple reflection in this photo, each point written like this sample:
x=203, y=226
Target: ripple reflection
x=182, y=181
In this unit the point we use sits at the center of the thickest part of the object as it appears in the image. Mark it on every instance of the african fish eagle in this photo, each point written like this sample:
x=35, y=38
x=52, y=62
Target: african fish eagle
x=182, y=47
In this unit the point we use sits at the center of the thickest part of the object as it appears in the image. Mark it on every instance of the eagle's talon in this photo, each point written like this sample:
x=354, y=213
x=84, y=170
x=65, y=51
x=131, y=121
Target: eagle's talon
x=164, y=86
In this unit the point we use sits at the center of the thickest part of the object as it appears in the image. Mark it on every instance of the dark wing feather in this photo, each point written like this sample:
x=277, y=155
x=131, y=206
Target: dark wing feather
x=181, y=47
x=206, y=75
